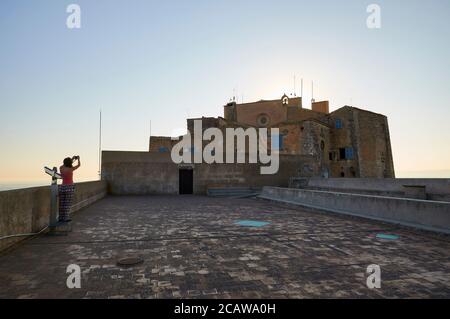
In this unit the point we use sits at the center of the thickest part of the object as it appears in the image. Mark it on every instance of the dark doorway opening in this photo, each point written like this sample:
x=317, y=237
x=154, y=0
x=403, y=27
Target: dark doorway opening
x=342, y=154
x=186, y=181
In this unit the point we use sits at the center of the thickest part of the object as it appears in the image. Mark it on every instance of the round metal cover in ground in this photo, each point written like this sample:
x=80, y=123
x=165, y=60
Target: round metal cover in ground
x=129, y=261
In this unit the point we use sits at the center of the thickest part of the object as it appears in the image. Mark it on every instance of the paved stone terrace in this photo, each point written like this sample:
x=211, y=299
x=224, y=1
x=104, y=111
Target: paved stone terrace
x=192, y=248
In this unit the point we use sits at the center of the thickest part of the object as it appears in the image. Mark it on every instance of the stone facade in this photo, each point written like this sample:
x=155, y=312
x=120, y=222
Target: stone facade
x=349, y=142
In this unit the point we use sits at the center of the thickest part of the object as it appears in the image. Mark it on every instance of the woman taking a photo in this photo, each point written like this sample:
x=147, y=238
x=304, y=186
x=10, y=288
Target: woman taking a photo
x=67, y=189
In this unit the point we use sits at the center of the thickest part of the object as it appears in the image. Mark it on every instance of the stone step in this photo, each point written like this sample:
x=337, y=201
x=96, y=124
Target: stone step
x=235, y=192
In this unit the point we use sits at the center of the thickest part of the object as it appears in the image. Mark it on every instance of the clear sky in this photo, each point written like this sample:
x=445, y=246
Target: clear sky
x=165, y=61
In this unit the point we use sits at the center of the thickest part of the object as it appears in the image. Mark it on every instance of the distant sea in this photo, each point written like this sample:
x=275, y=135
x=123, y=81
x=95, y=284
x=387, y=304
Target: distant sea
x=443, y=173
x=6, y=186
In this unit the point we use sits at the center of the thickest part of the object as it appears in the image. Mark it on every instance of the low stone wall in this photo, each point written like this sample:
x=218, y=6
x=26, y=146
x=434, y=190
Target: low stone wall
x=435, y=188
x=424, y=214
x=28, y=210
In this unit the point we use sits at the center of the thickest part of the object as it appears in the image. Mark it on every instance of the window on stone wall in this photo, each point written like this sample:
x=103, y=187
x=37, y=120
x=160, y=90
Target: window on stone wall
x=342, y=154
x=163, y=149
x=332, y=155
x=348, y=153
x=278, y=142
x=338, y=123
x=345, y=153
x=281, y=141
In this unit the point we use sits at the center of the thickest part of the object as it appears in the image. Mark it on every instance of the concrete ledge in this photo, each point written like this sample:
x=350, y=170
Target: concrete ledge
x=432, y=188
x=423, y=214
x=27, y=210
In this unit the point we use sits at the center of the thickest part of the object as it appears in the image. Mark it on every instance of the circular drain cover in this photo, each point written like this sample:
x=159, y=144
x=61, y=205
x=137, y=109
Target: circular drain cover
x=129, y=261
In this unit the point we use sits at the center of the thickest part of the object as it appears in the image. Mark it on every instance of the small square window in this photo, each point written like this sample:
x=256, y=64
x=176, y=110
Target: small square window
x=338, y=123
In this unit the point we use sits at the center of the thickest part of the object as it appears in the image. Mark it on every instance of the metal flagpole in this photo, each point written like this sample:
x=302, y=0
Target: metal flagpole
x=100, y=148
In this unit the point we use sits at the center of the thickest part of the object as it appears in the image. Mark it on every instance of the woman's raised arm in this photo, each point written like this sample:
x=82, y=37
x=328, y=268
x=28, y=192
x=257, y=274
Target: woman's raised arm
x=78, y=164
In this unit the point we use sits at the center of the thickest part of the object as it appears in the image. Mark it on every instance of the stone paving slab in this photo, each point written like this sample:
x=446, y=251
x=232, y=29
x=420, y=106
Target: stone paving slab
x=192, y=248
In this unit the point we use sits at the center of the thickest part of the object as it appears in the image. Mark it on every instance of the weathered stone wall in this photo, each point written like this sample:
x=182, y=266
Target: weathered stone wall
x=367, y=133
x=248, y=113
x=28, y=210
x=155, y=173
x=291, y=138
x=245, y=175
x=207, y=122
x=300, y=114
x=374, y=149
x=315, y=142
x=343, y=137
x=159, y=143
x=139, y=173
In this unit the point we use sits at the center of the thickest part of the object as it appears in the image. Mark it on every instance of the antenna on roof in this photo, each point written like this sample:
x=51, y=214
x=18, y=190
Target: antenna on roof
x=301, y=88
x=295, y=93
x=150, y=138
x=100, y=146
x=312, y=92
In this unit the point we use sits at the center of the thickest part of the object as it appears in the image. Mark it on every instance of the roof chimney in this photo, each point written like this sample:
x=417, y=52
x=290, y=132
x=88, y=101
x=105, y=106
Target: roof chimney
x=321, y=107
